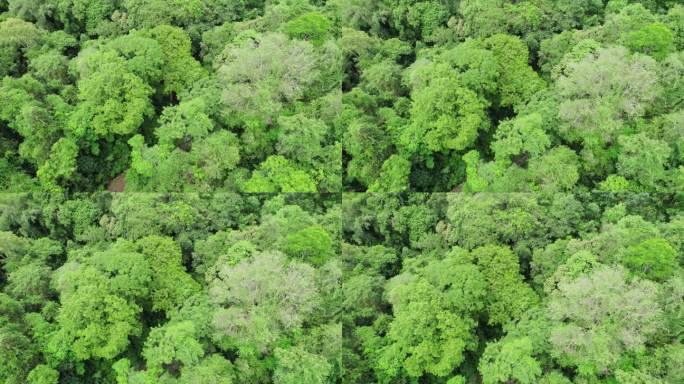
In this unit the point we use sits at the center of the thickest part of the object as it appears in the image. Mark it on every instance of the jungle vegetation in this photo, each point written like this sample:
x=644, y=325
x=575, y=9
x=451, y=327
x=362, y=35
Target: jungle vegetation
x=341, y=191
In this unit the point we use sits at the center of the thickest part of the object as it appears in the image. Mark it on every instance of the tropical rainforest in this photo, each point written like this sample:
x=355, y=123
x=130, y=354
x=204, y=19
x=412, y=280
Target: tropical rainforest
x=341, y=191
x=151, y=288
x=438, y=288
x=355, y=95
x=513, y=288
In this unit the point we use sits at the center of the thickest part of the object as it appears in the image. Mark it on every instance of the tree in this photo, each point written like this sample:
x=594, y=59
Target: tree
x=483, y=18
x=93, y=321
x=213, y=369
x=113, y=101
x=17, y=350
x=655, y=40
x=301, y=137
x=148, y=14
x=60, y=167
x=172, y=347
x=260, y=300
x=444, y=115
x=261, y=72
x=312, y=26
x=433, y=318
x=601, y=92
x=29, y=283
x=181, y=70
x=523, y=136
x=296, y=365
x=278, y=174
x=170, y=285
x=598, y=317
x=652, y=259
x=558, y=170
x=101, y=299
x=642, y=159
x=18, y=36
x=477, y=67
x=508, y=297
x=84, y=16
x=369, y=146
x=509, y=360
x=394, y=175
x=518, y=81
x=42, y=374
x=312, y=244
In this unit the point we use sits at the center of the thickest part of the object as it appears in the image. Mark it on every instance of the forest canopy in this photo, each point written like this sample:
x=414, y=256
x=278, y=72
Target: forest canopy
x=341, y=95
x=341, y=191
x=151, y=288
x=356, y=288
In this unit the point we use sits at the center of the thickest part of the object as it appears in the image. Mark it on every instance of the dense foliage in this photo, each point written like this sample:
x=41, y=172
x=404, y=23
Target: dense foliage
x=360, y=288
x=513, y=288
x=169, y=96
x=321, y=96
x=512, y=96
x=149, y=288
x=341, y=191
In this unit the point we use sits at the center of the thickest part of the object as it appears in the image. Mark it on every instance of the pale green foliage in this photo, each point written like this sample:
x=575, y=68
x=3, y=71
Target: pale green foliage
x=260, y=72
x=260, y=298
x=297, y=366
x=603, y=91
x=598, y=317
x=580, y=263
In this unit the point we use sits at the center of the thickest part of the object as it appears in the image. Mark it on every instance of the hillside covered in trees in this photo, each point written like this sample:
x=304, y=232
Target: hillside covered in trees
x=341, y=191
